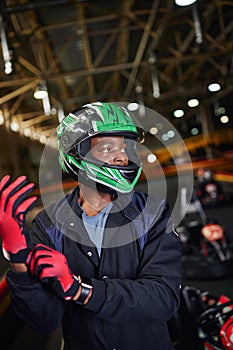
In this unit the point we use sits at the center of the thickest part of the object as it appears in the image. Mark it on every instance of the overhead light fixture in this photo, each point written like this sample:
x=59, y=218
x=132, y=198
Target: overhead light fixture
x=5, y=50
x=197, y=24
x=224, y=119
x=139, y=91
x=194, y=131
x=218, y=109
x=170, y=133
x=178, y=113
x=193, y=102
x=160, y=126
x=184, y=2
x=1, y=118
x=27, y=132
x=154, y=76
x=60, y=113
x=41, y=91
x=46, y=105
x=14, y=126
x=43, y=139
x=35, y=135
x=153, y=130
x=196, y=19
x=165, y=137
x=8, y=67
x=151, y=158
x=133, y=106
x=39, y=94
x=213, y=87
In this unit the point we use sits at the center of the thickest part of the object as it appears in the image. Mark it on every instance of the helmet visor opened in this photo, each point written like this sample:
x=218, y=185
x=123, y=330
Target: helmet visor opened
x=127, y=171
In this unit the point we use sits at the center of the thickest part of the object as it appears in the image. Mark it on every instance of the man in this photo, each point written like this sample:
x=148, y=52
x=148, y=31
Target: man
x=103, y=261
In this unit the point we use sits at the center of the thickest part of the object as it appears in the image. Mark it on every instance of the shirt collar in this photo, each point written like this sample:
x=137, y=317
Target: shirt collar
x=68, y=208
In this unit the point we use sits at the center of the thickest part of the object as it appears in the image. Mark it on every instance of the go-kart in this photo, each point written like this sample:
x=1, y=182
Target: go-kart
x=209, y=191
x=206, y=253
x=203, y=322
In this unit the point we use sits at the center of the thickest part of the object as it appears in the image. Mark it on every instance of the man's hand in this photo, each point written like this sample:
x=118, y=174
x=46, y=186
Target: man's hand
x=13, y=208
x=51, y=266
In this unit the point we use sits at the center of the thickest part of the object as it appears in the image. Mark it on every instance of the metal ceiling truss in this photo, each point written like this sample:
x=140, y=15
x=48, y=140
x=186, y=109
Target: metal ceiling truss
x=100, y=50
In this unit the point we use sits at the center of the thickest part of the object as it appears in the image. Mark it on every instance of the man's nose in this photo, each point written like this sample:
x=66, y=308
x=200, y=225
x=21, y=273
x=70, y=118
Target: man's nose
x=120, y=158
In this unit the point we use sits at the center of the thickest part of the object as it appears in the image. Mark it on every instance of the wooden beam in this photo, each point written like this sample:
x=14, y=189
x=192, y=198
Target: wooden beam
x=29, y=66
x=87, y=55
x=19, y=91
x=36, y=120
x=141, y=48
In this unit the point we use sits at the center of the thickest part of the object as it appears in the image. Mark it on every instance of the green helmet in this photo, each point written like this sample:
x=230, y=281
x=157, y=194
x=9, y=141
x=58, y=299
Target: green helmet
x=98, y=119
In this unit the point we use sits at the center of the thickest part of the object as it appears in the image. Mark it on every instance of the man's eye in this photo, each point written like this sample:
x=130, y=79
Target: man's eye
x=106, y=150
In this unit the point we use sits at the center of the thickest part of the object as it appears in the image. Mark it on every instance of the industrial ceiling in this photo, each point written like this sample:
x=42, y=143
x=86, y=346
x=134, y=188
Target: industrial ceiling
x=153, y=52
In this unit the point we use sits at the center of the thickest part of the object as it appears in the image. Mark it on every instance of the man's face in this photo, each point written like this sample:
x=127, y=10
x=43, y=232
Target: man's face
x=109, y=149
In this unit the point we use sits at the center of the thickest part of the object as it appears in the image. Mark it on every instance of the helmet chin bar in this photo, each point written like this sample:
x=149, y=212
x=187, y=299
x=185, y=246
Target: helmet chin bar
x=112, y=177
x=109, y=178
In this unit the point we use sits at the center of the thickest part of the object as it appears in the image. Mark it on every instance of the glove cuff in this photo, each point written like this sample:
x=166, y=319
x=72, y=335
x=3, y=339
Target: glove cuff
x=20, y=257
x=70, y=293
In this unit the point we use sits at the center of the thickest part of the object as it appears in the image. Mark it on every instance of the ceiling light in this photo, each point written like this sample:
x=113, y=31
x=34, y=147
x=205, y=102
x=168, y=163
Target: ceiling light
x=60, y=113
x=184, y=2
x=46, y=105
x=193, y=102
x=178, y=113
x=40, y=92
x=160, y=126
x=197, y=25
x=14, y=126
x=43, y=139
x=151, y=158
x=138, y=89
x=165, y=137
x=154, y=77
x=153, y=130
x=27, y=132
x=222, y=110
x=5, y=50
x=213, y=87
x=35, y=135
x=224, y=119
x=140, y=100
x=8, y=67
x=133, y=106
x=194, y=131
x=170, y=133
x=1, y=118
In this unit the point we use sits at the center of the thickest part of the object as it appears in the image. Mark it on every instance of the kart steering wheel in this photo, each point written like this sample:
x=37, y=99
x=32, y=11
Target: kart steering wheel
x=218, y=321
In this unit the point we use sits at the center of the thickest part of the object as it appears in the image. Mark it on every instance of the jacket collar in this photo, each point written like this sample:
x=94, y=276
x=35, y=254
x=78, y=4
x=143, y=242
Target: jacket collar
x=67, y=209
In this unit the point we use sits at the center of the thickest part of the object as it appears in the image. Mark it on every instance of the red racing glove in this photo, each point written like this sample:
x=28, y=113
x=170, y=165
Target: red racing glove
x=13, y=208
x=51, y=266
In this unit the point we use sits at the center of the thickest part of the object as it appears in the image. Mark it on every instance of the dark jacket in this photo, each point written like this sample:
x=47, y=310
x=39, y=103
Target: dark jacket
x=135, y=290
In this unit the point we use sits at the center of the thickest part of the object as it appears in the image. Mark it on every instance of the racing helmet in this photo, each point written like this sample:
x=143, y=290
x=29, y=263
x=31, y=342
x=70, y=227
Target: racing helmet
x=98, y=119
x=204, y=174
